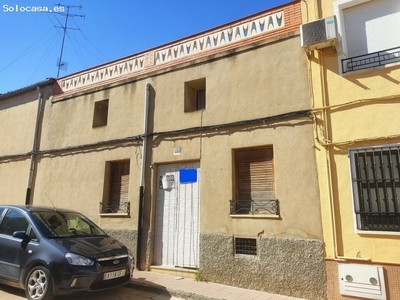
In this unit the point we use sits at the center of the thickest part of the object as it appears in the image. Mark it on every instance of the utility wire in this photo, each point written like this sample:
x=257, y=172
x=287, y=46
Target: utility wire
x=260, y=121
x=86, y=38
x=46, y=54
x=26, y=52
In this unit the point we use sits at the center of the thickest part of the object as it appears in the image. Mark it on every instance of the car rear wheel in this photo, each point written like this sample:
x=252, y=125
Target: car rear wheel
x=38, y=284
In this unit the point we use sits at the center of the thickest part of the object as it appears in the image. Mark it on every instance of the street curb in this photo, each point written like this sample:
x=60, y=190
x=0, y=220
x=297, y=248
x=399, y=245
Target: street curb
x=170, y=292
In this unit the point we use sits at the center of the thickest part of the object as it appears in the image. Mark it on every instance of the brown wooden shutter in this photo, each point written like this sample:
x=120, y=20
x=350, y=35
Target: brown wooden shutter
x=255, y=174
x=119, y=182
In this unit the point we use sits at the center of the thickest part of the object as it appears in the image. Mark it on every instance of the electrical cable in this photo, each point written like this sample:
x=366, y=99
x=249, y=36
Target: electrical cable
x=45, y=55
x=25, y=52
x=105, y=58
x=136, y=138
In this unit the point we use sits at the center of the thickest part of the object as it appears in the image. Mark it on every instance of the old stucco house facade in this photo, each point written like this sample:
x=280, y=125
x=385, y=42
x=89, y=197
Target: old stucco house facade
x=198, y=154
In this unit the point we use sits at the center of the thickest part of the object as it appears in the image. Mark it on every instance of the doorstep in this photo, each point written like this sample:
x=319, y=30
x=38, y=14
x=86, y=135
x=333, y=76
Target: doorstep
x=180, y=272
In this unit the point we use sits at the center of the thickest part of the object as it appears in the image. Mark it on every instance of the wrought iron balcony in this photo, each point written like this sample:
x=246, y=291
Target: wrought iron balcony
x=115, y=207
x=371, y=60
x=254, y=207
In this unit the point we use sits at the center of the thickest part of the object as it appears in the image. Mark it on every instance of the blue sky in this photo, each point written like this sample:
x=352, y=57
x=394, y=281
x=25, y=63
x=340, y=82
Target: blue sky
x=31, y=41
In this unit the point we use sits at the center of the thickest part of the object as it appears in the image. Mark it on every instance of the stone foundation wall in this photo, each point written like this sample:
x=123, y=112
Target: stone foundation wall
x=126, y=237
x=286, y=266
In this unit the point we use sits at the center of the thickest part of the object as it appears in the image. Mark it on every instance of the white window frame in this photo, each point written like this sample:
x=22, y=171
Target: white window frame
x=338, y=7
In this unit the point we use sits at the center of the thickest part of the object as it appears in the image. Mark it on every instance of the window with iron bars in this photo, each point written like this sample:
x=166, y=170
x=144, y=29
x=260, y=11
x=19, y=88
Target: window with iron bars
x=245, y=246
x=376, y=187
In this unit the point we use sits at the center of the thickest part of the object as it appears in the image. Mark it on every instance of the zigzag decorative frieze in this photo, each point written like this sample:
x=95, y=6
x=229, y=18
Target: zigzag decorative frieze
x=154, y=59
x=218, y=39
x=103, y=73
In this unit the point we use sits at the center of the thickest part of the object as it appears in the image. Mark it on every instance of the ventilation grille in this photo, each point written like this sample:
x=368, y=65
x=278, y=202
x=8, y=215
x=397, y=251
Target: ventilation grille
x=246, y=246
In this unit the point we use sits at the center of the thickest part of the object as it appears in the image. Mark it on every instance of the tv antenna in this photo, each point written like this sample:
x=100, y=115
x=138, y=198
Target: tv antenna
x=67, y=14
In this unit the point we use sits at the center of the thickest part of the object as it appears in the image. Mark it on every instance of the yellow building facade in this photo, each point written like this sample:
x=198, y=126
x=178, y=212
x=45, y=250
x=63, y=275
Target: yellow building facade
x=354, y=73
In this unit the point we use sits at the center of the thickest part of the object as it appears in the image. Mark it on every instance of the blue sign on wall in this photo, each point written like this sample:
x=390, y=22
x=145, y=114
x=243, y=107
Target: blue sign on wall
x=187, y=175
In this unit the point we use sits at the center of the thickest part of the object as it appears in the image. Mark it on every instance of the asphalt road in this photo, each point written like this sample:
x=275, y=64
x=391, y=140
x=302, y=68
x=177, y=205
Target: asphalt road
x=121, y=293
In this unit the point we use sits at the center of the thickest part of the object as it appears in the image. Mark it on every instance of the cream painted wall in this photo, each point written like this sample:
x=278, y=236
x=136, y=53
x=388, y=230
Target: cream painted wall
x=71, y=120
x=250, y=85
x=17, y=116
x=242, y=87
x=295, y=182
x=239, y=87
x=14, y=182
x=77, y=182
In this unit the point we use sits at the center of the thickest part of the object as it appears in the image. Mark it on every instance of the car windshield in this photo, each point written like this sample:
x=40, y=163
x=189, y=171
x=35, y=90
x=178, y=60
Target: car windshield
x=68, y=224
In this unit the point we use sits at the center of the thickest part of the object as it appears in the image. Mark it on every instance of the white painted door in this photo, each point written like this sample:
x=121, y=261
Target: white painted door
x=177, y=216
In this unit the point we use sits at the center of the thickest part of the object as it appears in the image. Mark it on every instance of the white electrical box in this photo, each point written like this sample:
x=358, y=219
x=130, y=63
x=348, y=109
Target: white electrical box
x=363, y=281
x=167, y=182
x=319, y=34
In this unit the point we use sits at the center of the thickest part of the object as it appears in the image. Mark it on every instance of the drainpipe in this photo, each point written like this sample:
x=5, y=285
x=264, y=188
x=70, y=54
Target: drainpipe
x=142, y=176
x=328, y=144
x=34, y=146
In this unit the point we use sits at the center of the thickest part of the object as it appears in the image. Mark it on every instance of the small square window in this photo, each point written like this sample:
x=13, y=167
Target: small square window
x=195, y=95
x=100, y=114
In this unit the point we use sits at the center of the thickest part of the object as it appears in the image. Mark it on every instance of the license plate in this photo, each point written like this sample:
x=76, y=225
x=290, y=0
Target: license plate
x=115, y=274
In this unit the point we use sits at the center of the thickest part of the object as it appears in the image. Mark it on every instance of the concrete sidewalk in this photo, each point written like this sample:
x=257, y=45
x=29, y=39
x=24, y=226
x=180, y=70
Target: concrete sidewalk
x=188, y=288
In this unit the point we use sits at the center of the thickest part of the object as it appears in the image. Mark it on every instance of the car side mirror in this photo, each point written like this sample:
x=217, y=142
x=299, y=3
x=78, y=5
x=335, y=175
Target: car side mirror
x=21, y=235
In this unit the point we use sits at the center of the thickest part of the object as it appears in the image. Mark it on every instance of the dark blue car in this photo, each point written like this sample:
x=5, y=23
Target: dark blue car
x=49, y=251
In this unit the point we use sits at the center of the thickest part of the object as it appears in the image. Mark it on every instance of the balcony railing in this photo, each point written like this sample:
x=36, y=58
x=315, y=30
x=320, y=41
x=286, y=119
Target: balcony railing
x=371, y=60
x=254, y=207
x=115, y=207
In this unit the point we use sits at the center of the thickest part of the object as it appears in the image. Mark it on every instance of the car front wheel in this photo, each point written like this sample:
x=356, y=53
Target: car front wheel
x=38, y=284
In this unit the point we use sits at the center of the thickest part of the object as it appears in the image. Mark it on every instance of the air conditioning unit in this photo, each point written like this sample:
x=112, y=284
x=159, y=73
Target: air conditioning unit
x=319, y=34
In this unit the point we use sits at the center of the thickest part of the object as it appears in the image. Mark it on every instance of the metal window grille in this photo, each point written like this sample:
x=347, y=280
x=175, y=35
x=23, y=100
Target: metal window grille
x=376, y=188
x=112, y=208
x=244, y=206
x=246, y=246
